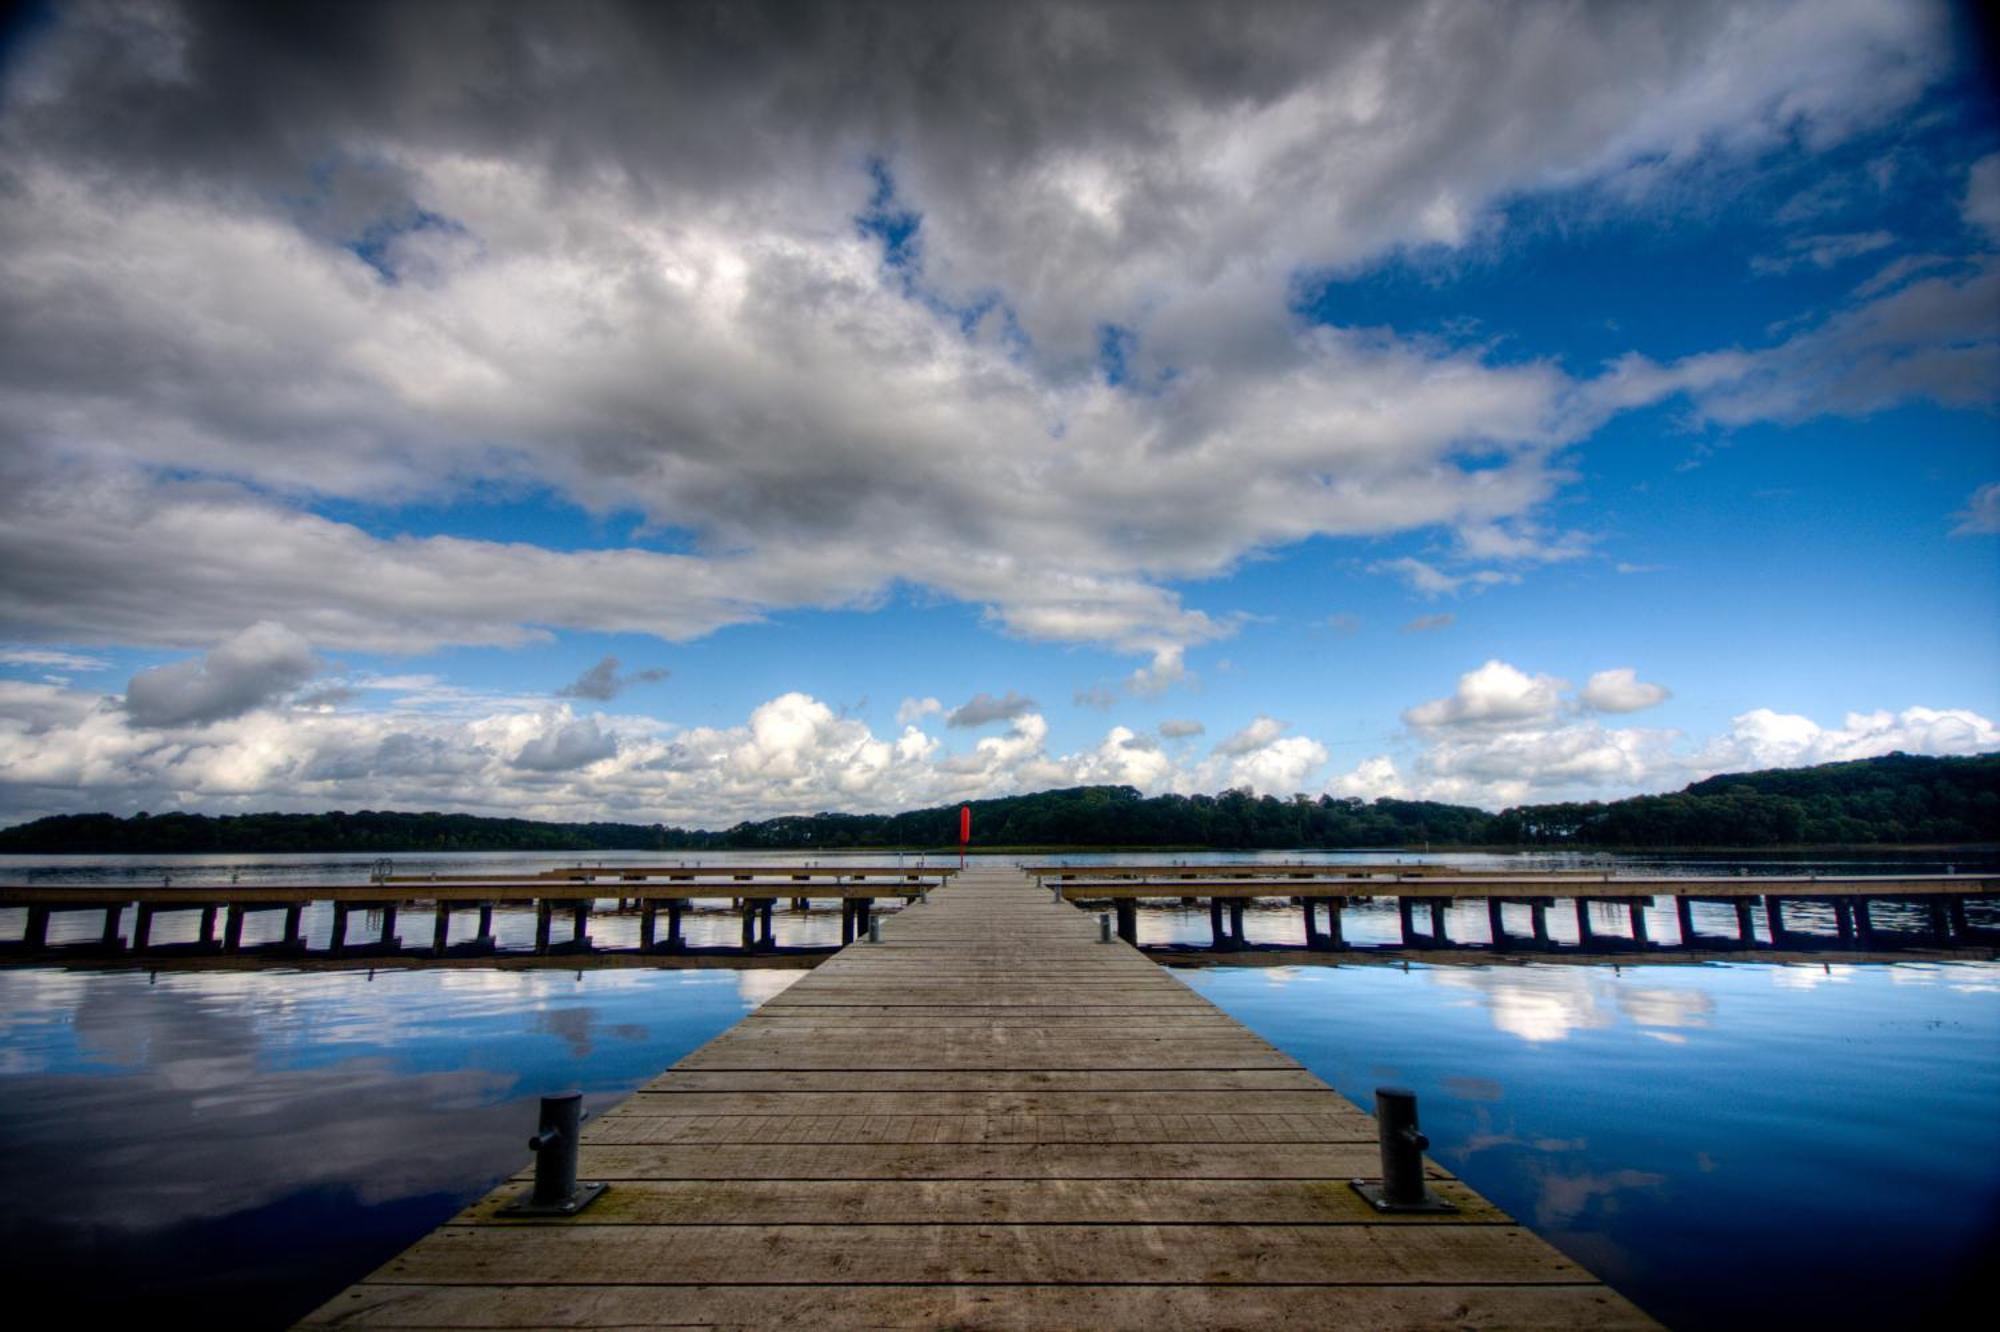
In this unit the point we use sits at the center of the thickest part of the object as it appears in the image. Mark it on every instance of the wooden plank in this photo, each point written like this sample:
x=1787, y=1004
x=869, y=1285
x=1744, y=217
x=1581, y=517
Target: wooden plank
x=641, y=1130
x=1139, y=1253
x=678, y=1079
x=984, y=1308
x=1081, y=1101
x=780, y=1160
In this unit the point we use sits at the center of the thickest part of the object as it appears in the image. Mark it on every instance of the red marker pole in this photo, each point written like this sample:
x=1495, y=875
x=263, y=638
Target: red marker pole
x=964, y=832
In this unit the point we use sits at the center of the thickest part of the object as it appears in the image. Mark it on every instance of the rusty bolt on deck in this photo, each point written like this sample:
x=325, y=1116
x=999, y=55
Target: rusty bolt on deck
x=1402, y=1188
x=557, y=1191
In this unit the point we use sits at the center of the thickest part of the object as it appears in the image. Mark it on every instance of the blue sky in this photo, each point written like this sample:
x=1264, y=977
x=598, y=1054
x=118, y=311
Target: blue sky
x=1488, y=405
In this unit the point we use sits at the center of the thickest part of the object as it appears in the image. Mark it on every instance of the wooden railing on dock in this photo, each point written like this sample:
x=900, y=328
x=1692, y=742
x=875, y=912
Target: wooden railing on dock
x=987, y=1120
x=857, y=888
x=1851, y=899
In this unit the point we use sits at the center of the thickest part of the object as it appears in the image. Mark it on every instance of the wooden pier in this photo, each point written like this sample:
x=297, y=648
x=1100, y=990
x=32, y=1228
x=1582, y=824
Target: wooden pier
x=1323, y=894
x=659, y=894
x=989, y=1119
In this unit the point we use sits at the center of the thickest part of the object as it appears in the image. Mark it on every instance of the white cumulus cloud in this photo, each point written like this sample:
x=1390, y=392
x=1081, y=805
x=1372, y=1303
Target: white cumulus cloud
x=1621, y=690
x=1496, y=694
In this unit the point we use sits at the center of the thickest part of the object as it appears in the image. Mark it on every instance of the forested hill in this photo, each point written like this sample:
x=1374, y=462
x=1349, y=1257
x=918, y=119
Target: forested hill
x=1899, y=798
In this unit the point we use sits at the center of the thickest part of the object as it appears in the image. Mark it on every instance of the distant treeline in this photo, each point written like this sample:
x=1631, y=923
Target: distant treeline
x=1899, y=798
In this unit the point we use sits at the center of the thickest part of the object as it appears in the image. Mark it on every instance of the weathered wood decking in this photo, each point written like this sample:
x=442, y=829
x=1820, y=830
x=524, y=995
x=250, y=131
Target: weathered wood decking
x=987, y=1120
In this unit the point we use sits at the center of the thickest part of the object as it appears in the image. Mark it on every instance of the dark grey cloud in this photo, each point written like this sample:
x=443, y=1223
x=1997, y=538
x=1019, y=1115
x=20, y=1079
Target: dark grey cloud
x=573, y=744
x=981, y=709
x=256, y=667
x=603, y=682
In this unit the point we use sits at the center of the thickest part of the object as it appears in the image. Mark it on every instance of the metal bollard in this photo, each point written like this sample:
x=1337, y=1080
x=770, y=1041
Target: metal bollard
x=557, y=1191
x=874, y=931
x=1402, y=1188
x=1104, y=929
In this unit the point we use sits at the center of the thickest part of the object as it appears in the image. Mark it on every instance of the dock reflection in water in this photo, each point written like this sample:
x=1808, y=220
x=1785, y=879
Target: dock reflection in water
x=263, y=1138
x=1726, y=1144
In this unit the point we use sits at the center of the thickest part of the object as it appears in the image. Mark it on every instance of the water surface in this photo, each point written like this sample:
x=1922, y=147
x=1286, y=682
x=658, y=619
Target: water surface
x=1729, y=1144
x=254, y=1141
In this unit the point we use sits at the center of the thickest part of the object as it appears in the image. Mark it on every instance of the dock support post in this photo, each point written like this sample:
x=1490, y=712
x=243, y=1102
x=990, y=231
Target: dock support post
x=485, y=935
x=1128, y=921
x=864, y=912
x=1496, y=923
x=1439, y=937
x=142, y=928
x=1104, y=928
x=543, y=911
x=1940, y=921
x=337, y=942
x=36, y=933
x=1236, y=922
x=294, y=915
x=1539, y=914
x=441, y=930
x=1746, y=930
x=1843, y=920
x=1774, y=918
x=769, y=914
x=388, y=937
x=112, y=915
x=1636, y=914
x=649, y=923
x=1864, y=923
x=207, y=936
x=749, y=926
x=846, y=921
x=1684, y=915
x=1960, y=925
x=1335, y=937
x=675, y=909
x=579, y=924
x=232, y=929
x=1218, y=937
x=1584, y=937
x=1313, y=943
x=1404, y=907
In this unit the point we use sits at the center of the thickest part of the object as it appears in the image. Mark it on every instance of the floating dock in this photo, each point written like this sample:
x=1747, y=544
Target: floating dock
x=989, y=1119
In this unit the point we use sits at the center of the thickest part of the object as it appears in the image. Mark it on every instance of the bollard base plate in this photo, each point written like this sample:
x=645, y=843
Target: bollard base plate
x=1372, y=1194
x=587, y=1192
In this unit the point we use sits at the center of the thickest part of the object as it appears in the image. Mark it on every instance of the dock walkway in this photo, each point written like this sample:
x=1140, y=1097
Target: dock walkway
x=987, y=1120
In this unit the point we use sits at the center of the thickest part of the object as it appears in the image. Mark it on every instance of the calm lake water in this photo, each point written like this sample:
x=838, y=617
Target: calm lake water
x=1729, y=1144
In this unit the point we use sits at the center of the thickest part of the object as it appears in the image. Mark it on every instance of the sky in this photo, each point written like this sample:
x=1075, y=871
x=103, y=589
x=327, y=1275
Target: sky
x=686, y=413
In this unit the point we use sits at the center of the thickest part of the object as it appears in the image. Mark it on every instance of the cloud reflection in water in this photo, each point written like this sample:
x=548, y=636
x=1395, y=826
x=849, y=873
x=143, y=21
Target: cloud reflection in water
x=271, y=1135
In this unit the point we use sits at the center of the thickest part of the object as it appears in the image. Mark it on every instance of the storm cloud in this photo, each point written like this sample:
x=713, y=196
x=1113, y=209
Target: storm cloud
x=830, y=289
